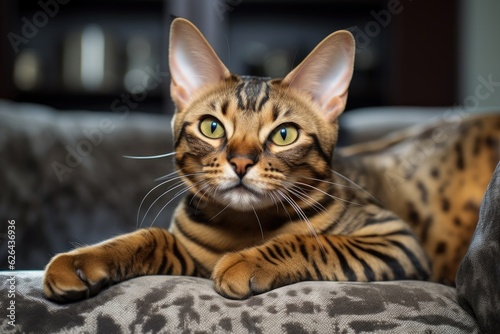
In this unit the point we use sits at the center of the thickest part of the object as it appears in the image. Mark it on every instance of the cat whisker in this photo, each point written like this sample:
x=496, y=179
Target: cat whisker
x=177, y=185
x=274, y=199
x=203, y=193
x=164, y=177
x=294, y=205
x=214, y=189
x=146, y=196
x=149, y=156
x=318, y=207
x=303, y=217
x=191, y=186
x=311, y=203
x=356, y=186
x=329, y=182
x=295, y=185
x=221, y=211
x=307, y=199
x=204, y=190
x=277, y=200
x=174, y=198
x=178, y=171
x=258, y=221
x=327, y=194
x=196, y=193
x=156, y=187
x=298, y=210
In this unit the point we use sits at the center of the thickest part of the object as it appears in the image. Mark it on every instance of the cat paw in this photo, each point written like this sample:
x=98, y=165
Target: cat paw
x=70, y=277
x=241, y=275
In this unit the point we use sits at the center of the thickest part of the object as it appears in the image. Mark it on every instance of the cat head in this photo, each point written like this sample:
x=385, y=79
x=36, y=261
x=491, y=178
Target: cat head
x=246, y=142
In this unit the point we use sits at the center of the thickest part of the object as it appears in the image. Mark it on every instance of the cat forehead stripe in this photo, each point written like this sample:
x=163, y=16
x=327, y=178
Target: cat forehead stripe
x=252, y=93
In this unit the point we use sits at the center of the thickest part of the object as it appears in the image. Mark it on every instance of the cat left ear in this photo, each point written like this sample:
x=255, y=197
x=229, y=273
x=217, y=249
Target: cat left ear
x=192, y=61
x=326, y=73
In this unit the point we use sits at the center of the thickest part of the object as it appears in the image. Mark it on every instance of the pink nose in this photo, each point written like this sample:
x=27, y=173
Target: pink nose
x=241, y=165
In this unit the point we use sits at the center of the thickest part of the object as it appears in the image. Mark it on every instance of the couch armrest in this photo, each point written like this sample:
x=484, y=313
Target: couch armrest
x=478, y=278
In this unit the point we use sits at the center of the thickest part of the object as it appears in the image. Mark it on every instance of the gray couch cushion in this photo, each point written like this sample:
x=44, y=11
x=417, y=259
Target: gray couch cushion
x=171, y=304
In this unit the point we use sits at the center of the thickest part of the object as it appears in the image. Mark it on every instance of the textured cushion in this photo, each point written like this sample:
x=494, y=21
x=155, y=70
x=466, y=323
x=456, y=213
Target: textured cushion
x=171, y=304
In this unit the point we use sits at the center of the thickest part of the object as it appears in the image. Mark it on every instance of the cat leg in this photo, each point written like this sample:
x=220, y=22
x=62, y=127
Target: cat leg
x=83, y=272
x=288, y=259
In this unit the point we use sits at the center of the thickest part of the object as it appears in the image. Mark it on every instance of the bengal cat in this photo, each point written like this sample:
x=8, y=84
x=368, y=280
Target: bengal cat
x=270, y=204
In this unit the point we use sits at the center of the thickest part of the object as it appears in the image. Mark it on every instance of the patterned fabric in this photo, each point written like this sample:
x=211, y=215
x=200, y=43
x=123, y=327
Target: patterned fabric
x=171, y=304
x=478, y=278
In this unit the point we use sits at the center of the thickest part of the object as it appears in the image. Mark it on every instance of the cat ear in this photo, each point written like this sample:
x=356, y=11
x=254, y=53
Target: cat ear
x=192, y=61
x=326, y=73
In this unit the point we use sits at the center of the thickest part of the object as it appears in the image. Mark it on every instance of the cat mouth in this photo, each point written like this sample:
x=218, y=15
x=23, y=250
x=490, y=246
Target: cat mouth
x=243, y=189
x=243, y=197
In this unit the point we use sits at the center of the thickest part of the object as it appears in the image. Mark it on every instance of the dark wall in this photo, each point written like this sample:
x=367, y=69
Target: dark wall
x=407, y=50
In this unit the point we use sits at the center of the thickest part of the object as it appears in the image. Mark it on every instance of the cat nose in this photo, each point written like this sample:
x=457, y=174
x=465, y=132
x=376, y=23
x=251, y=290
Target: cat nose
x=241, y=164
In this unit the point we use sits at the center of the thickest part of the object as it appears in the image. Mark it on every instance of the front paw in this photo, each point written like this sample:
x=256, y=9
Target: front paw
x=241, y=275
x=74, y=276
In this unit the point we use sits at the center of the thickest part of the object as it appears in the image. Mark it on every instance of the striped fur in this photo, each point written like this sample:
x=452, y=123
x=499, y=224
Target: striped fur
x=260, y=214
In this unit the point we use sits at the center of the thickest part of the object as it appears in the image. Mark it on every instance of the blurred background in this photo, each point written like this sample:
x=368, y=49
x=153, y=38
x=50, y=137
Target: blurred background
x=75, y=54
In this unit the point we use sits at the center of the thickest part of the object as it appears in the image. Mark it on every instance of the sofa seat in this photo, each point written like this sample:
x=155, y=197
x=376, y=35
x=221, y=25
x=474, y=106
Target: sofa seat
x=174, y=304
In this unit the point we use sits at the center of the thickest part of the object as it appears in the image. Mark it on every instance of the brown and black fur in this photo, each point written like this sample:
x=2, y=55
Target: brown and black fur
x=442, y=170
x=258, y=215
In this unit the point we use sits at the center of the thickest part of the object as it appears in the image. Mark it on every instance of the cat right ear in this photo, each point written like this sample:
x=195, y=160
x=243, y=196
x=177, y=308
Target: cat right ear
x=326, y=73
x=192, y=61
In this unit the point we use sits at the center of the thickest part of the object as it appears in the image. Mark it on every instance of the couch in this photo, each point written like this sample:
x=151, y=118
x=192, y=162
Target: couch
x=65, y=183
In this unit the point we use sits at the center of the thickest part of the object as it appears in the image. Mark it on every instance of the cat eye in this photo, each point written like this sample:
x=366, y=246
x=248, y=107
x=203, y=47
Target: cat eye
x=285, y=135
x=211, y=127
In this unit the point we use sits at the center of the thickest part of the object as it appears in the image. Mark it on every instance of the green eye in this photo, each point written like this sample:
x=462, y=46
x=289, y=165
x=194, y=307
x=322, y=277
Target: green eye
x=285, y=135
x=212, y=128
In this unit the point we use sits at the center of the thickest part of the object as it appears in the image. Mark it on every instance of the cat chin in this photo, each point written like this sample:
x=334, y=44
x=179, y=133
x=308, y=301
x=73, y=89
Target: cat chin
x=244, y=200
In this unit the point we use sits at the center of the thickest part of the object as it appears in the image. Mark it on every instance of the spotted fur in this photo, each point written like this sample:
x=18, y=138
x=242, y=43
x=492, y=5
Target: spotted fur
x=443, y=171
x=263, y=209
